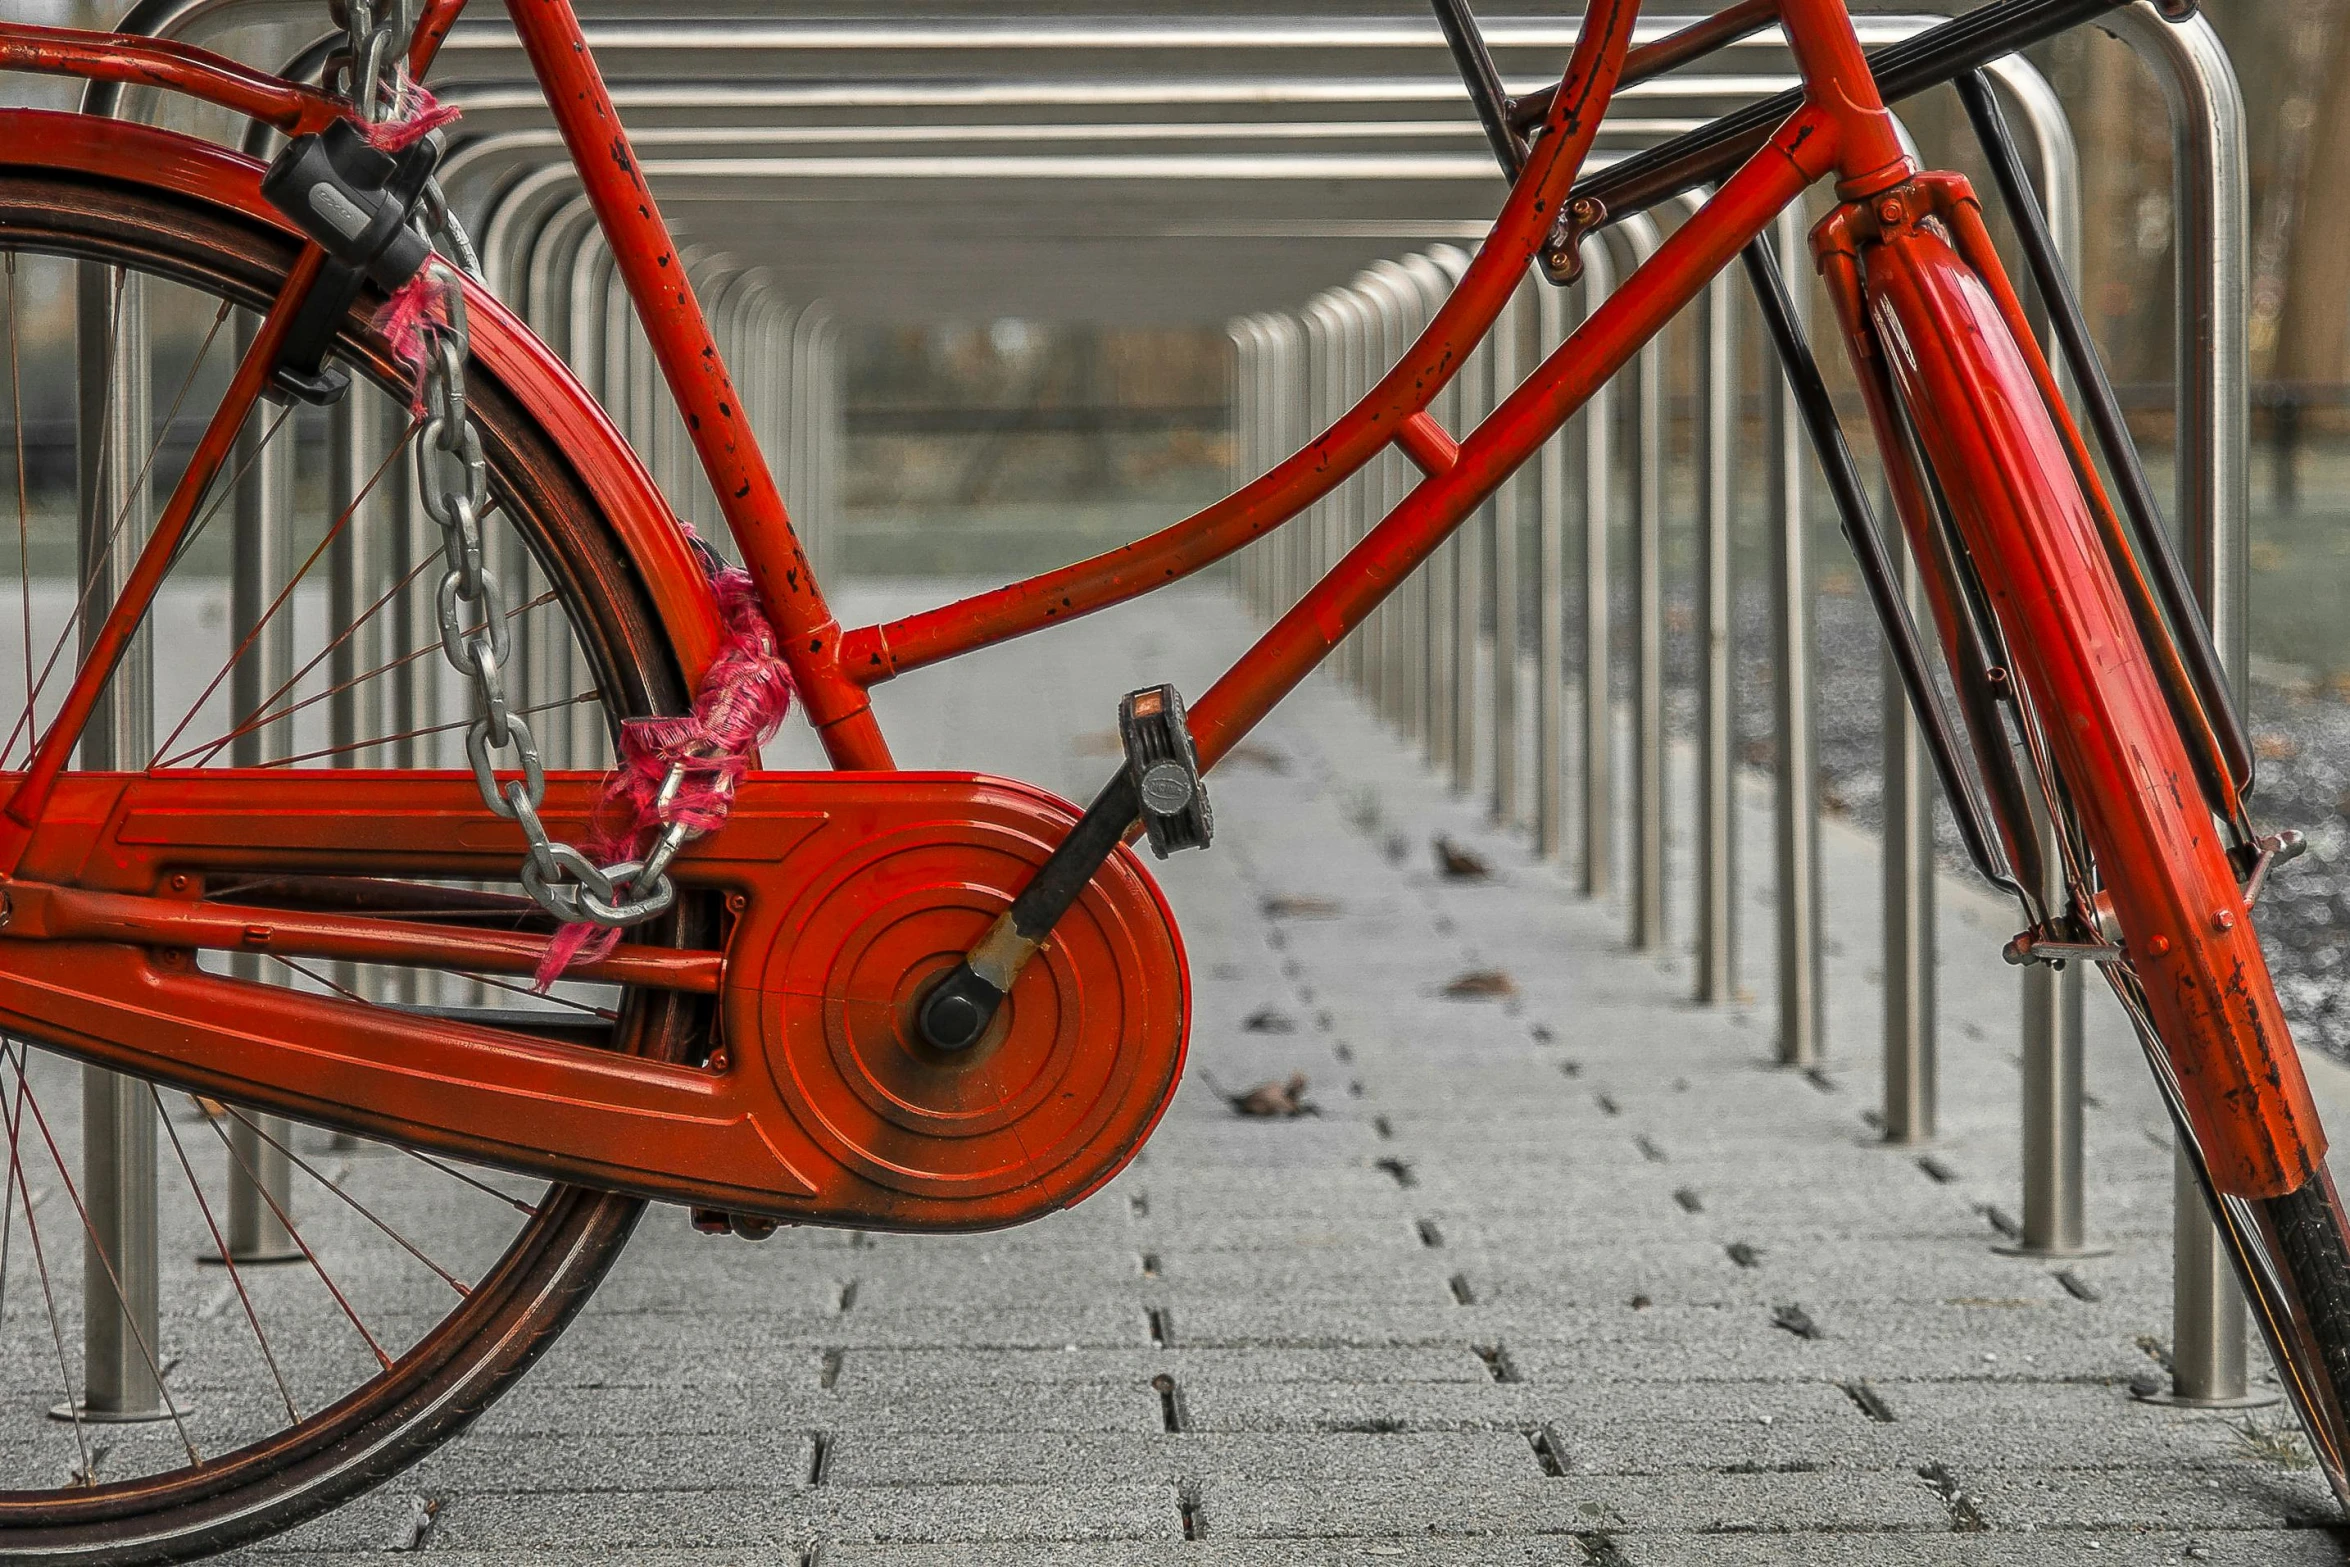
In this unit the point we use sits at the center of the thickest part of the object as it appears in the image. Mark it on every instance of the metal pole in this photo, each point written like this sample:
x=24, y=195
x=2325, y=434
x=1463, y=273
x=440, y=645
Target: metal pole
x=1717, y=809
x=1599, y=706
x=1392, y=290
x=1272, y=389
x=1333, y=522
x=1802, y=997
x=2054, y=1194
x=1471, y=548
x=354, y=450
x=1506, y=361
x=1912, y=1073
x=1248, y=440
x=1423, y=658
x=354, y=442
x=260, y=1177
x=1444, y=567
x=1357, y=321
x=113, y=417
x=2210, y=184
x=1244, y=447
x=1296, y=414
x=826, y=508
x=1550, y=604
x=1647, y=899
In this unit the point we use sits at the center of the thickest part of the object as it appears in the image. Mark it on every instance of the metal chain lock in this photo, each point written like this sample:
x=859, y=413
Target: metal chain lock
x=453, y=484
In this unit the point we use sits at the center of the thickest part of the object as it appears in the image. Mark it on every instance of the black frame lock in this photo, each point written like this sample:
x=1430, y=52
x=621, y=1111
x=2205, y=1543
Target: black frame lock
x=353, y=200
x=1170, y=796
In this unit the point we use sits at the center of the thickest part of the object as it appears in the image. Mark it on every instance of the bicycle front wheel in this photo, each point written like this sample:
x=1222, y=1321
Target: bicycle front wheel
x=2192, y=975
x=308, y=1313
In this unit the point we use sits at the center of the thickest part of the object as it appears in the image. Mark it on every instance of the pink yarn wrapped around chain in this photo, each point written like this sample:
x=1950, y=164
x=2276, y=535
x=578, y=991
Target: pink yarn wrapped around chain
x=420, y=304
x=745, y=695
x=418, y=114
x=407, y=320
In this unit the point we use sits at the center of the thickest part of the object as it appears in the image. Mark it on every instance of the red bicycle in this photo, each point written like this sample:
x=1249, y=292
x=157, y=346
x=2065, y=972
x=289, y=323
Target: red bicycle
x=865, y=997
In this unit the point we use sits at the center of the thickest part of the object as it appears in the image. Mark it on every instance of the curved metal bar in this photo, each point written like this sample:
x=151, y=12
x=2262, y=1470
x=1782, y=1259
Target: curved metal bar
x=1646, y=902
x=1802, y=992
x=1599, y=708
x=1716, y=798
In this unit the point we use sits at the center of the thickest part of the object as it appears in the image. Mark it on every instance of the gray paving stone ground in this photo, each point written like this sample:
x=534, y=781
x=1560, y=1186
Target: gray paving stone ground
x=1575, y=1276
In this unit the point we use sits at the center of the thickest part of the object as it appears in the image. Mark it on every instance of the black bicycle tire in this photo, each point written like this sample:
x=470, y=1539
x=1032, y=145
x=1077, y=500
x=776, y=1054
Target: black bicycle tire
x=2310, y=1244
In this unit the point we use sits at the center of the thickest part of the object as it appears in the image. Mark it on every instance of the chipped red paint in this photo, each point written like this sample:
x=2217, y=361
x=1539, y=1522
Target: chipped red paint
x=1919, y=311
x=688, y=355
x=432, y=30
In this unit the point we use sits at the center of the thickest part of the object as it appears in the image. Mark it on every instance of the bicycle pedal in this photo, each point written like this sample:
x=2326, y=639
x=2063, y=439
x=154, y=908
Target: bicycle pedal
x=1171, y=796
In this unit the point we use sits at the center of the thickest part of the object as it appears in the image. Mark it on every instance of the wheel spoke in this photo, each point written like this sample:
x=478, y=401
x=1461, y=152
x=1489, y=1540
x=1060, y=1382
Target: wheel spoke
x=355, y=1204
x=226, y=1254
x=455, y=1174
x=32, y=1229
x=285, y=596
x=578, y=700
x=24, y=507
x=203, y=754
x=245, y=1168
x=26, y=724
x=391, y=1247
x=495, y=983
x=97, y=1249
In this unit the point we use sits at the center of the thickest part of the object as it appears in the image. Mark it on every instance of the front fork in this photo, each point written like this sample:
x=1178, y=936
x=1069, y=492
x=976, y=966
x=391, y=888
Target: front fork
x=1941, y=208
x=1945, y=207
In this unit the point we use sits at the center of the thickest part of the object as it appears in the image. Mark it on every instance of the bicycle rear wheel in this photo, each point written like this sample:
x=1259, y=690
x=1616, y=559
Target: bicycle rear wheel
x=2151, y=859
x=413, y=1290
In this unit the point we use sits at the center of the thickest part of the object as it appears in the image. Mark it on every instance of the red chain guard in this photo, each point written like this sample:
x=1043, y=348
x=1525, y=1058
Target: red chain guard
x=844, y=893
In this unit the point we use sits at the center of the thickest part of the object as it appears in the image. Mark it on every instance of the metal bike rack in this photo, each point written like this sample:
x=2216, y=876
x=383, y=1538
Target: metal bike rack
x=1796, y=792
x=121, y=1271
x=258, y=1173
x=2212, y=181
x=2186, y=59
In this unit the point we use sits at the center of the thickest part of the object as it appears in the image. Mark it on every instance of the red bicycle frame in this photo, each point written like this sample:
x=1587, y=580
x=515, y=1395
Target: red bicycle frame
x=1844, y=129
